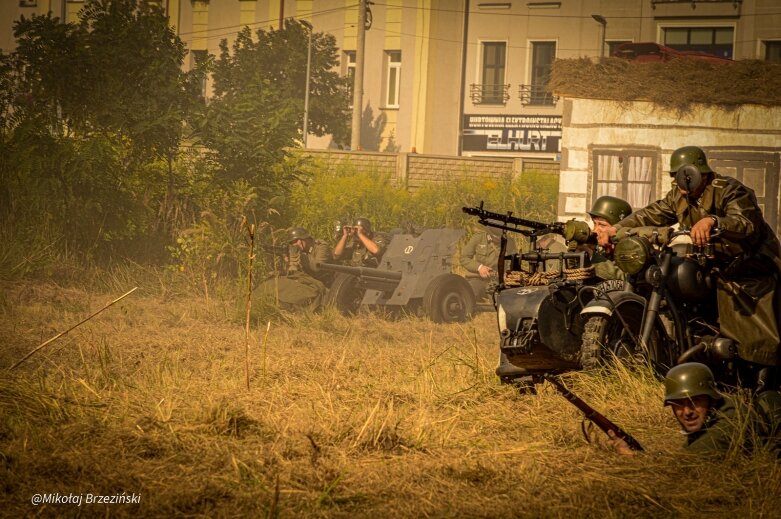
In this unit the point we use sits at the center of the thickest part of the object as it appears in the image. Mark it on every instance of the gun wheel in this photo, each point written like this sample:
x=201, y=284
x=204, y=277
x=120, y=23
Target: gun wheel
x=449, y=299
x=345, y=294
x=606, y=338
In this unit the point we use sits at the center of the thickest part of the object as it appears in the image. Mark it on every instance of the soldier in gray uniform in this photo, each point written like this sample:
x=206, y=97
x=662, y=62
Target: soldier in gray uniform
x=305, y=284
x=480, y=258
x=713, y=423
x=359, y=245
x=748, y=252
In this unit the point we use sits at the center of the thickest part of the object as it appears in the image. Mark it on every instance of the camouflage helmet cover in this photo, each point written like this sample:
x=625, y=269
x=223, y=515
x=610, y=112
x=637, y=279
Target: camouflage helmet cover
x=689, y=155
x=297, y=233
x=365, y=223
x=689, y=380
x=611, y=209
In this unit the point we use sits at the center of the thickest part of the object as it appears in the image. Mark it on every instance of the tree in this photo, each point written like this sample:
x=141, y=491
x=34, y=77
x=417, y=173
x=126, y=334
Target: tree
x=117, y=71
x=95, y=121
x=257, y=108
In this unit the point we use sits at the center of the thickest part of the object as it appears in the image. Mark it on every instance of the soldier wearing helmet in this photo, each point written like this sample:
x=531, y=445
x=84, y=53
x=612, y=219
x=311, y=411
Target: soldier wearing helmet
x=306, y=252
x=305, y=283
x=748, y=252
x=359, y=245
x=605, y=213
x=714, y=423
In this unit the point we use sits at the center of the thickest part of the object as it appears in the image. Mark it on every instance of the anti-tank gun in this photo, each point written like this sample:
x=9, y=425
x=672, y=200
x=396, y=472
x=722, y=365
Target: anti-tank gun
x=537, y=304
x=414, y=276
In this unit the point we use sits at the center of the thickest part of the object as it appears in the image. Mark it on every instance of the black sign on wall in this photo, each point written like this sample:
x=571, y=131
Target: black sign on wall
x=540, y=133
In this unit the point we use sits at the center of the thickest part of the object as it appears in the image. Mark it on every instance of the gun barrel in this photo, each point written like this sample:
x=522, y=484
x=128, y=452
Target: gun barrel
x=362, y=272
x=503, y=220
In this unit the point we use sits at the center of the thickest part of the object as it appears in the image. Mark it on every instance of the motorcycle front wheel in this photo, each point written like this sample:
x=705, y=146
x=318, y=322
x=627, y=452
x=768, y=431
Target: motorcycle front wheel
x=607, y=337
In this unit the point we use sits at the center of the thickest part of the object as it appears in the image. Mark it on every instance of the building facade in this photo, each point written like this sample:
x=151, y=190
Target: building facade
x=467, y=77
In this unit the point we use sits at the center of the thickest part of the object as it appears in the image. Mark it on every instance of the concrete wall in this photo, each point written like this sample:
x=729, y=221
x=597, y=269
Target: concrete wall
x=747, y=134
x=414, y=170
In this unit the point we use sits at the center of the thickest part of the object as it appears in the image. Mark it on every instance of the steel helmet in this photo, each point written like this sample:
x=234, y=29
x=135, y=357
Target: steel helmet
x=689, y=156
x=689, y=380
x=365, y=223
x=339, y=226
x=297, y=233
x=611, y=209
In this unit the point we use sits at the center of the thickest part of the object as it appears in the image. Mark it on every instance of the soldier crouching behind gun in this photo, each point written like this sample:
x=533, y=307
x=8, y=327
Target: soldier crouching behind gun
x=713, y=423
x=480, y=257
x=305, y=284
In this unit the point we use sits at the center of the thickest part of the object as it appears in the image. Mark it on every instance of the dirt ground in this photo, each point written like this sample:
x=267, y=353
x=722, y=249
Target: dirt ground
x=358, y=417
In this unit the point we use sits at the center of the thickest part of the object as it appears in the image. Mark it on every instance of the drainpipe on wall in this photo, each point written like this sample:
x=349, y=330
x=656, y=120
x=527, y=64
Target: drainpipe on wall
x=460, y=135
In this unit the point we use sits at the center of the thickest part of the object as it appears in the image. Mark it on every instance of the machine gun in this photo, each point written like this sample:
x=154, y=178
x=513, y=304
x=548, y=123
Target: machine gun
x=512, y=223
x=595, y=416
x=572, y=230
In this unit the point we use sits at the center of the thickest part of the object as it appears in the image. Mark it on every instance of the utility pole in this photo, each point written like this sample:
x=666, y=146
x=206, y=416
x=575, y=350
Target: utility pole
x=355, y=138
x=308, y=73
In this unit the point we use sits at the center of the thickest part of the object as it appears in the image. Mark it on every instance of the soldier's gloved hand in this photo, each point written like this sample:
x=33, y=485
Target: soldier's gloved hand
x=485, y=272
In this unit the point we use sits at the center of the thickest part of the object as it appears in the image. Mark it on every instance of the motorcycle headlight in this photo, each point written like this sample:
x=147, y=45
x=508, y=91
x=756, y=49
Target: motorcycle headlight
x=632, y=254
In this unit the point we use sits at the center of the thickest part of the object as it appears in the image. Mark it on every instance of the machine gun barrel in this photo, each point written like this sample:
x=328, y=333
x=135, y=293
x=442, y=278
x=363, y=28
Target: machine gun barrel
x=362, y=272
x=513, y=223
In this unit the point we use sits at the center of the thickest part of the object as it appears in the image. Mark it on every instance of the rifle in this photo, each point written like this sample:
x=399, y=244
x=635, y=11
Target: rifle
x=592, y=414
x=279, y=258
x=512, y=223
x=278, y=250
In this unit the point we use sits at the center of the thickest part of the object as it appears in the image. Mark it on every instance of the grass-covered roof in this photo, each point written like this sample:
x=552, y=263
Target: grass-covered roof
x=674, y=84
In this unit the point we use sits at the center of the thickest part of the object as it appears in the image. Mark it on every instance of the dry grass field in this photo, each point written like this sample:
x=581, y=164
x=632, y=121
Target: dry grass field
x=343, y=418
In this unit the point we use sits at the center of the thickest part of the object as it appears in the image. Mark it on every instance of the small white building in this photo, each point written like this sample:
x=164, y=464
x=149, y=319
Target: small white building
x=622, y=148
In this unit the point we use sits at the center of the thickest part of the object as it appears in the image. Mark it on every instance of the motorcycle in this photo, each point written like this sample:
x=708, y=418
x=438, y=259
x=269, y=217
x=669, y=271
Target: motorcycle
x=538, y=300
x=668, y=312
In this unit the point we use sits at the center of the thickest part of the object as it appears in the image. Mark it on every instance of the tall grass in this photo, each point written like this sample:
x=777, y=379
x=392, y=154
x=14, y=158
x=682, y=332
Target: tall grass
x=359, y=417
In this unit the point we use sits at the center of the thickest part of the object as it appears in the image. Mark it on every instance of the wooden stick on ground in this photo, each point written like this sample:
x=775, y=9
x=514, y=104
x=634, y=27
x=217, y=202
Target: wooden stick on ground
x=248, y=306
x=72, y=327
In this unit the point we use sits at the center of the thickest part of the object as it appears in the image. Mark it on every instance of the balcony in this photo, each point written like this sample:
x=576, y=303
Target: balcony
x=489, y=94
x=534, y=95
x=693, y=3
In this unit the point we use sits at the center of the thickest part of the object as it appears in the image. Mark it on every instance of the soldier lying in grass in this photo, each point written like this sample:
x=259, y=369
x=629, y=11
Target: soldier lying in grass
x=712, y=422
